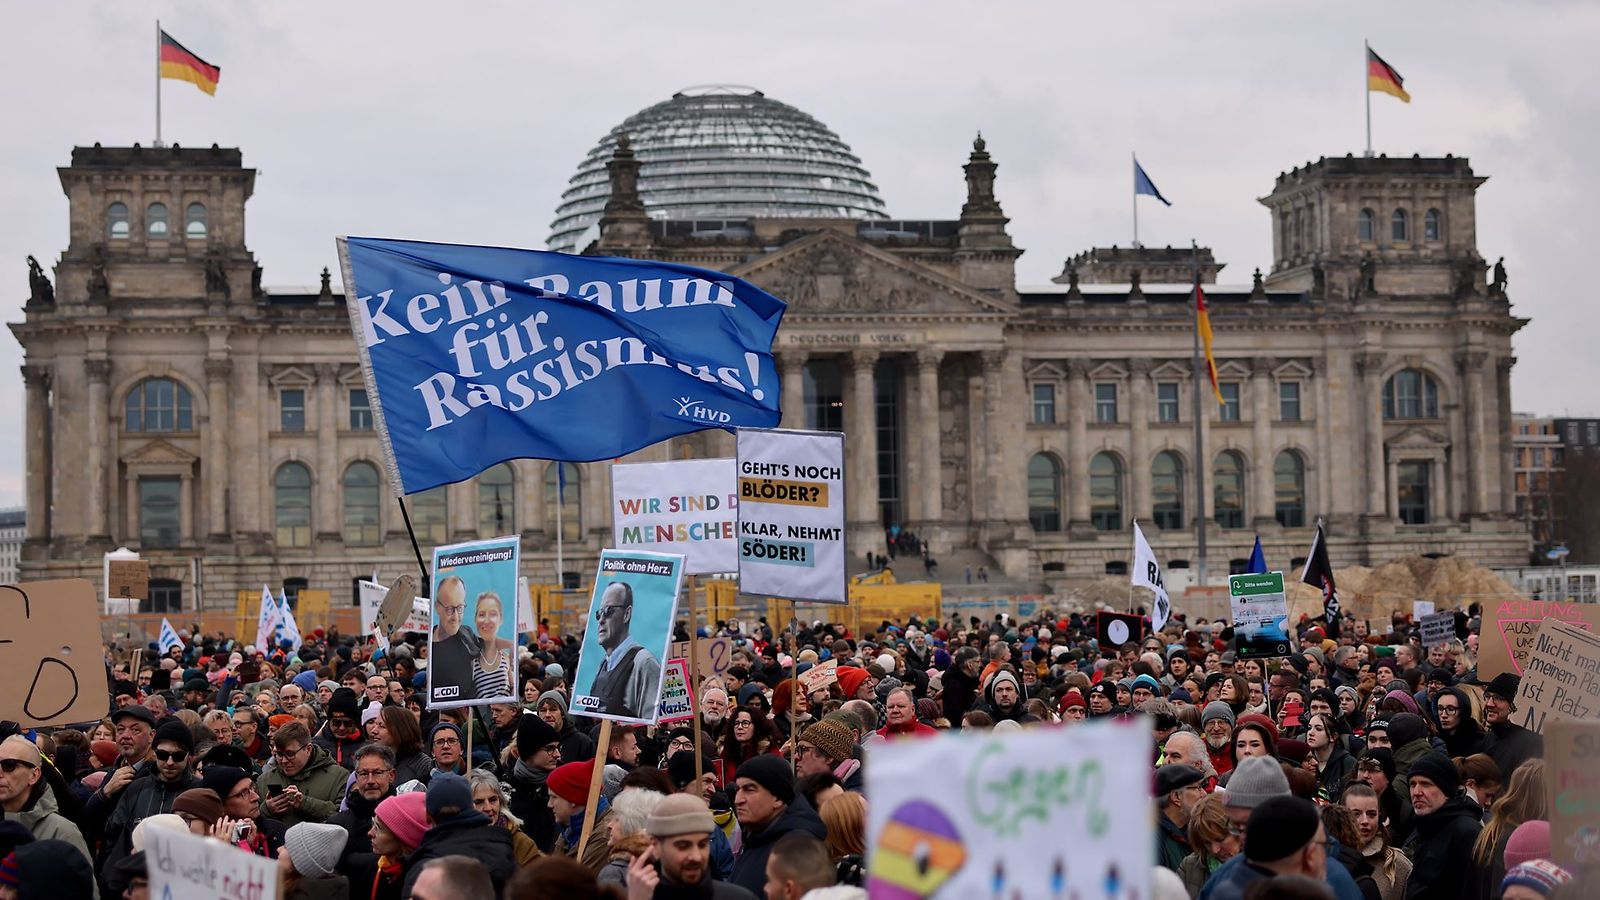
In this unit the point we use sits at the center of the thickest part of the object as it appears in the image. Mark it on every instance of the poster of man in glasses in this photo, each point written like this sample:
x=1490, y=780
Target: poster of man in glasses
x=626, y=635
x=471, y=652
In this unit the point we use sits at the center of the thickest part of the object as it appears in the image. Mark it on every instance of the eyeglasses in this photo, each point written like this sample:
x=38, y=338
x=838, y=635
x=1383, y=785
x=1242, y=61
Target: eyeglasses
x=680, y=744
x=289, y=754
x=1453, y=710
x=453, y=610
x=341, y=721
x=242, y=724
x=601, y=613
x=446, y=742
x=245, y=791
x=10, y=765
x=172, y=755
x=371, y=773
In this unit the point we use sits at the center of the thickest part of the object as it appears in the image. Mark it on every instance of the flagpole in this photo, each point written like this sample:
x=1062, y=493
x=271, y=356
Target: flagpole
x=1135, y=200
x=1366, y=56
x=158, y=82
x=1199, y=451
x=561, y=498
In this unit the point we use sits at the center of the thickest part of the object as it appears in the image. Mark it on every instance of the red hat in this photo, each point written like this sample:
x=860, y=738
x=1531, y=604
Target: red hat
x=850, y=679
x=1263, y=721
x=104, y=751
x=570, y=781
x=1072, y=698
x=280, y=720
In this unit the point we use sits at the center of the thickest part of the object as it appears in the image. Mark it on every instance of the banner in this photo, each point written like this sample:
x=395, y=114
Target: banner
x=1509, y=627
x=52, y=670
x=472, y=644
x=627, y=633
x=1438, y=629
x=477, y=355
x=1561, y=679
x=819, y=676
x=997, y=830
x=168, y=638
x=184, y=866
x=1572, y=780
x=791, y=514
x=1147, y=574
x=267, y=620
x=1113, y=629
x=1260, y=614
x=677, y=702
x=686, y=506
x=288, y=628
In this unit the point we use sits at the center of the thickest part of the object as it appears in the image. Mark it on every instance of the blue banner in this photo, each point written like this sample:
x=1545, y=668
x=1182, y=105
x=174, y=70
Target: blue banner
x=477, y=355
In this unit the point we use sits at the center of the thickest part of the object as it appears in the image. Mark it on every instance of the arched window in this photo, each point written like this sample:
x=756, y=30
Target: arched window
x=1364, y=225
x=158, y=404
x=430, y=515
x=562, y=485
x=1227, y=474
x=1430, y=225
x=1044, y=492
x=1289, y=489
x=1166, y=490
x=1410, y=394
x=117, y=221
x=291, y=505
x=1105, y=492
x=194, y=220
x=361, y=504
x=1399, y=226
x=497, y=513
x=155, y=220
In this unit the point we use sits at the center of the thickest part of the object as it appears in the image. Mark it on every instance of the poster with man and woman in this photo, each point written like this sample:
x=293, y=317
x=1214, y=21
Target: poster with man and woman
x=472, y=645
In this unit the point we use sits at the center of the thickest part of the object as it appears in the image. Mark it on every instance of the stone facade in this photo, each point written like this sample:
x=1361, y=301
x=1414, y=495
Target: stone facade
x=176, y=407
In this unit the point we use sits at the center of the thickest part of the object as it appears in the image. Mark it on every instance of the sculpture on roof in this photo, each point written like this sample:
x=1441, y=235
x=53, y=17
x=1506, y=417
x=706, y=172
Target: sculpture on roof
x=216, y=277
x=99, y=285
x=40, y=291
x=1499, y=286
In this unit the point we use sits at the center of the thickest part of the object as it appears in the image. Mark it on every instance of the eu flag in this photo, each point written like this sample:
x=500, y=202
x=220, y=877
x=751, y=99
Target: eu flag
x=1143, y=185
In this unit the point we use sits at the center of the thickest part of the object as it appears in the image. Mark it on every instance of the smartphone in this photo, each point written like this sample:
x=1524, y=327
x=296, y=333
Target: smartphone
x=274, y=790
x=241, y=831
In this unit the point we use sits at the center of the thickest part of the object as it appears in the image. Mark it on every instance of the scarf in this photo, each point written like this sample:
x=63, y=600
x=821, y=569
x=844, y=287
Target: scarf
x=574, y=831
x=390, y=871
x=525, y=772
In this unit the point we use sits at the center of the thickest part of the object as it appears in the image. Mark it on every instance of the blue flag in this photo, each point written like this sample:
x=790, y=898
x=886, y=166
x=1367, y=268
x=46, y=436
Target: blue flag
x=1258, y=560
x=1143, y=185
x=477, y=355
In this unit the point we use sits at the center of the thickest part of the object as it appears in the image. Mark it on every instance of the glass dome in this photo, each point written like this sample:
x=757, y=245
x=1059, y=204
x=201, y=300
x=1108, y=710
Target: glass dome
x=723, y=152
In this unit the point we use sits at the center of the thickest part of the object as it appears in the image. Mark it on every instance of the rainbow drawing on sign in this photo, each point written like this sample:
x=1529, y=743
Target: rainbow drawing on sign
x=917, y=853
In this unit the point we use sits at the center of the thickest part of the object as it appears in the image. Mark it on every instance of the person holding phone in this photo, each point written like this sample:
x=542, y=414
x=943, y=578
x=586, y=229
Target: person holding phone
x=306, y=784
x=242, y=824
x=679, y=855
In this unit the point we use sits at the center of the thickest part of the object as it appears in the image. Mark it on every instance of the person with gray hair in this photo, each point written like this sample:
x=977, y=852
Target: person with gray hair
x=864, y=716
x=491, y=798
x=453, y=878
x=631, y=810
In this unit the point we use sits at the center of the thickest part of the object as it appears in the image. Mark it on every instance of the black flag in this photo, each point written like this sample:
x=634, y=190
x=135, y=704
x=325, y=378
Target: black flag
x=1319, y=574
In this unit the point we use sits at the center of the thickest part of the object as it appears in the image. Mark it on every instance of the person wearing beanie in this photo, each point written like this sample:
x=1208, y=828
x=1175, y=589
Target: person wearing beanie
x=1446, y=827
x=1528, y=841
x=570, y=786
x=1216, y=726
x=1285, y=837
x=398, y=827
x=341, y=736
x=575, y=745
x=456, y=827
x=961, y=684
x=1073, y=707
x=854, y=683
x=200, y=808
x=137, y=798
x=538, y=753
x=311, y=851
x=1513, y=745
x=46, y=870
x=767, y=807
x=1254, y=735
x=241, y=802
x=827, y=746
x=679, y=864
x=1535, y=879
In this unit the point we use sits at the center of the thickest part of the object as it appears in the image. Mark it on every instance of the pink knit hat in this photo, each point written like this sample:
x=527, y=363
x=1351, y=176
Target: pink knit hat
x=406, y=817
x=1530, y=841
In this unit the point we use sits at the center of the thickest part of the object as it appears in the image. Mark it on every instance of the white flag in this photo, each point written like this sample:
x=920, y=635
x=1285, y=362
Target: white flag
x=266, y=621
x=169, y=637
x=1147, y=573
x=289, y=630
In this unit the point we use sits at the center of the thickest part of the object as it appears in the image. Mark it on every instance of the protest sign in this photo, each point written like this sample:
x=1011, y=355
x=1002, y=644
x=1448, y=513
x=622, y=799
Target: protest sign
x=997, y=832
x=1421, y=608
x=677, y=703
x=1147, y=574
x=471, y=649
x=627, y=633
x=1509, y=627
x=372, y=596
x=1572, y=780
x=51, y=668
x=716, y=656
x=397, y=604
x=819, y=676
x=1260, y=613
x=1561, y=678
x=476, y=355
x=687, y=506
x=1438, y=628
x=128, y=579
x=791, y=514
x=1114, y=629
x=526, y=622
x=183, y=866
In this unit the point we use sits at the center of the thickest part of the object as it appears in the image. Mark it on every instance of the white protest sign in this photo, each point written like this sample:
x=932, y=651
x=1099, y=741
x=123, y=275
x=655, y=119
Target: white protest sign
x=372, y=595
x=687, y=506
x=996, y=832
x=676, y=703
x=188, y=867
x=525, y=621
x=1438, y=628
x=819, y=676
x=1421, y=608
x=791, y=514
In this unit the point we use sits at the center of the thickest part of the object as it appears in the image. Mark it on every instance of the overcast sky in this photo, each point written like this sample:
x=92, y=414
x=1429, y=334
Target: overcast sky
x=463, y=122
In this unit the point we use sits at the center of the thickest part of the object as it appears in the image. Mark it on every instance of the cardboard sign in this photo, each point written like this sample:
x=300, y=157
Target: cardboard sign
x=184, y=866
x=1561, y=679
x=128, y=579
x=687, y=506
x=677, y=701
x=51, y=669
x=1509, y=627
x=373, y=596
x=819, y=676
x=1115, y=629
x=1572, y=779
x=995, y=830
x=1438, y=629
x=791, y=514
x=716, y=656
x=397, y=604
x=635, y=599
x=1260, y=615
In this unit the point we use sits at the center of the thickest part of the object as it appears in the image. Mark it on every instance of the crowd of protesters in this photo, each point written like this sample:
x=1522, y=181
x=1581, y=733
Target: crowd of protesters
x=1363, y=767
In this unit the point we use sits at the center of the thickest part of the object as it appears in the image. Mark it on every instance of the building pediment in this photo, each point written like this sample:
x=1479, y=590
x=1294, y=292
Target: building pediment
x=1417, y=437
x=159, y=453
x=828, y=273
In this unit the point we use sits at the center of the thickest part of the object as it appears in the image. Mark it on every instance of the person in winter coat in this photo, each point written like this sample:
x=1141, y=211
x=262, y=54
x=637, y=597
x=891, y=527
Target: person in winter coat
x=306, y=863
x=1447, y=825
x=50, y=868
x=961, y=684
x=575, y=745
x=1335, y=765
x=305, y=785
x=629, y=811
x=458, y=828
x=374, y=781
x=150, y=794
x=677, y=860
x=398, y=729
x=341, y=735
x=1003, y=699
x=25, y=796
x=1458, y=729
x=900, y=711
x=827, y=746
x=489, y=798
x=1512, y=745
x=569, y=797
x=398, y=827
x=1178, y=789
x=767, y=807
x=538, y=754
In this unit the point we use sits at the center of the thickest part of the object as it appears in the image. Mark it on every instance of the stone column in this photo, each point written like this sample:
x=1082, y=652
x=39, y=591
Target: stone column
x=1139, y=439
x=325, y=527
x=99, y=371
x=929, y=475
x=792, y=369
x=461, y=510
x=216, y=463
x=994, y=436
x=186, y=508
x=1080, y=409
x=1507, y=460
x=1262, y=502
x=861, y=438
x=37, y=449
x=1469, y=366
x=1369, y=366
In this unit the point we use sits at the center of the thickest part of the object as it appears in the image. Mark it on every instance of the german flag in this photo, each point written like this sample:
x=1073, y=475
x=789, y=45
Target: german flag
x=1383, y=78
x=1203, y=323
x=178, y=63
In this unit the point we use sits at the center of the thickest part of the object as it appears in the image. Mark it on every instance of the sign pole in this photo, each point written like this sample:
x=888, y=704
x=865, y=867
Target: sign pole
x=794, y=680
x=693, y=669
x=596, y=782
